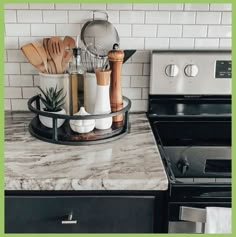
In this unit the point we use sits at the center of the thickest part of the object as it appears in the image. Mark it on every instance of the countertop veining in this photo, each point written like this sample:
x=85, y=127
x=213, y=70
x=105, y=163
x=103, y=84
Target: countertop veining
x=130, y=163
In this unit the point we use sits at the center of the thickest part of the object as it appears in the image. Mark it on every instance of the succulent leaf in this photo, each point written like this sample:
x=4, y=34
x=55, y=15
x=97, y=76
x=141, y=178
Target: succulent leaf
x=52, y=99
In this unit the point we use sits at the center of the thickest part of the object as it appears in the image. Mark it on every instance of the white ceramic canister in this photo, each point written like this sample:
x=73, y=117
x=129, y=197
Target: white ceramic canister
x=102, y=105
x=90, y=89
x=53, y=80
x=82, y=126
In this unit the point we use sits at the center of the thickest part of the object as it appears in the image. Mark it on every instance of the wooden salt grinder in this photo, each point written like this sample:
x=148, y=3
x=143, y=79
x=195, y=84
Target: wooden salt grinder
x=116, y=58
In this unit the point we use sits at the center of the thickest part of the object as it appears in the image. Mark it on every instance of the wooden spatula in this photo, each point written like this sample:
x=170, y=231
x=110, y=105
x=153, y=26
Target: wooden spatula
x=51, y=64
x=69, y=44
x=33, y=56
x=56, y=51
x=41, y=52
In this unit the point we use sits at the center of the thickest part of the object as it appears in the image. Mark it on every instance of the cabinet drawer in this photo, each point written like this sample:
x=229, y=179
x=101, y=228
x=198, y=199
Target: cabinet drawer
x=94, y=214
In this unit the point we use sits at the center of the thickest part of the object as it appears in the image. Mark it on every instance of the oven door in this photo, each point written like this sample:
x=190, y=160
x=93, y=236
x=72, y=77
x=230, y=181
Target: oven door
x=190, y=217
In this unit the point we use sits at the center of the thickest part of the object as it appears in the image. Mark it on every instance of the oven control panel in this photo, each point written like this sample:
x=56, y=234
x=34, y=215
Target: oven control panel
x=191, y=73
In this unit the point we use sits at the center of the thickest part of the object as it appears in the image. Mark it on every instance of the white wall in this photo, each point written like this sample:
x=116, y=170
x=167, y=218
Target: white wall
x=141, y=26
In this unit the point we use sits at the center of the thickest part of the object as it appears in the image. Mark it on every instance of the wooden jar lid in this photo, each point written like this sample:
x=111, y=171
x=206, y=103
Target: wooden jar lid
x=103, y=77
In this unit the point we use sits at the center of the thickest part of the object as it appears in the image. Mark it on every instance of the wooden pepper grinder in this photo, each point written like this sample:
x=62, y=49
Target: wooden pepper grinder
x=116, y=58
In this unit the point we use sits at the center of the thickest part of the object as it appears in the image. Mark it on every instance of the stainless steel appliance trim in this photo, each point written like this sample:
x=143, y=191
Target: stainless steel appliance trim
x=192, y=214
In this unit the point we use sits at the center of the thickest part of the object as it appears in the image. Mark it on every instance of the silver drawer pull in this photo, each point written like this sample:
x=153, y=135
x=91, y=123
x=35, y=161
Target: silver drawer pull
x=69, y=221
x=192, y=214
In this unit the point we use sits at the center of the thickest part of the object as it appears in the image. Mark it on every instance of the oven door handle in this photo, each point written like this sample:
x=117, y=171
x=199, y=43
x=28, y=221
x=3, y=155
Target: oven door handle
x=192, y=214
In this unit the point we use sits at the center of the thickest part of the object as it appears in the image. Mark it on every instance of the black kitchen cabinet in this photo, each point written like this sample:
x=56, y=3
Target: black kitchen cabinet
x=84, y=214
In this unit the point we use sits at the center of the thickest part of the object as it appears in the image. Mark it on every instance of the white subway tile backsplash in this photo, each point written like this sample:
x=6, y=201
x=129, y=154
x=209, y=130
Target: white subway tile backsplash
x=196, y=7
x=145, y=6
x=146, y=69
x=169, y=31
x=220, y=7
x=113, y=16
x=45, y=6
x=225, y=43
x=206, y=43
x=17, y=29
x=29, y=16
x=226, y=18
x=15, y=55
x=27, y=68
x=13, y=92
x=11, y=43
x=29, y=92
x=179, y=43
x=156, y=43
x=130, y=43
x=19, y=105
x=141, y=26
x=20, y=80
x=144, y=30
x=43, y=30
x=12, y=68
x=6, y=80
x=7, y=105
x=93, y=6
x=67, y=6
x=115, y=6
x=124, y=30
x=125, y=81
x=132, y=69
x=156, y=17
x=68, y=29
x=55, y=16
x=5, y=55
x=145, y=93
x=27, y=40
x=132, y=93
x=79, y=16
x=141, y=56
x=171, y=7
x=132, y=17
x=219, y=31
x=183, y=18
x=139, y=105
x=10, y=16
x=16, y=6
x=208, y=17
x=139, y=81
x=195, y=31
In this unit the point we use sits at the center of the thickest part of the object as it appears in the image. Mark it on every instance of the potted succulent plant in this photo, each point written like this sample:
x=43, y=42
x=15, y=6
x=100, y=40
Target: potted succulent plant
x=53, y=101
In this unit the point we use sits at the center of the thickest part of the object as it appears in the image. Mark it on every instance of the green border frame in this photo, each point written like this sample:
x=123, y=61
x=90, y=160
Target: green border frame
x=2, y=105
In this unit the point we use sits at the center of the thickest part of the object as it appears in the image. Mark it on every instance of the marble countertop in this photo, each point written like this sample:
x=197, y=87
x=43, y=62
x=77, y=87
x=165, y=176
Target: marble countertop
x=130, y=163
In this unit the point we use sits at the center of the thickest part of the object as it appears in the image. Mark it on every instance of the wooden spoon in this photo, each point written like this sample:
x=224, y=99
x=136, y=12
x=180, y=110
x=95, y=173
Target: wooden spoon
x=41, y=52
x=69, y=44
x=33, y=56
x=56, y=51
x=51, y=64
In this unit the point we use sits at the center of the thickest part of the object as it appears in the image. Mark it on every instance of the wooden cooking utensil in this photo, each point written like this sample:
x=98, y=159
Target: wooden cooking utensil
x=51, y=64
x=56, y=51
x=41, y=52
x=33, y=56
x=116, y=58
x=69, y=44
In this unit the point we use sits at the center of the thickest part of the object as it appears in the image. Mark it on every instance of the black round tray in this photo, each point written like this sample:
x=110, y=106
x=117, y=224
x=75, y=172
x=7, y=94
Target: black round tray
x=64, y=134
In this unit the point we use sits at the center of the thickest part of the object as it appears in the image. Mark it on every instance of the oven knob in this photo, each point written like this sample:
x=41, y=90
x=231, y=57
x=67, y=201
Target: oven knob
x=191, y=70
x=183, y=165
x=172, y=70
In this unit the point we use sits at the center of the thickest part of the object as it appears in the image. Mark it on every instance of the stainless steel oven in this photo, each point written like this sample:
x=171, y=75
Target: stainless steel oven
x=190, y=115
